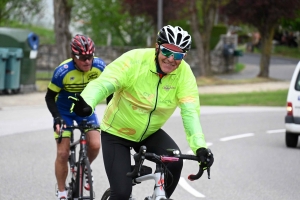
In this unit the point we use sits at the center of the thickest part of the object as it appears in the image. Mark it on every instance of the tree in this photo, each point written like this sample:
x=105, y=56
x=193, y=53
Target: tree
x=62, y=17
x=110, y=18
x=199, y=17
x=265, y=16
x=293, y=25
x=202, y=30
x=172, y=9
x=18, y=10
x=128, y=22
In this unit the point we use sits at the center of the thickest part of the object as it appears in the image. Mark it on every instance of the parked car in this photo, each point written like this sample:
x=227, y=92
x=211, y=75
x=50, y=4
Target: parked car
x=292, y=118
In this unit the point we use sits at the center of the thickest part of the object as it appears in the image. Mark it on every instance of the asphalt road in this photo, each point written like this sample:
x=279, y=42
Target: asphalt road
x=251, y=160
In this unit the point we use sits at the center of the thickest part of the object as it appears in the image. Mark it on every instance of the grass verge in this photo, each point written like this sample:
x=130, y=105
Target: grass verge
x=269, y=98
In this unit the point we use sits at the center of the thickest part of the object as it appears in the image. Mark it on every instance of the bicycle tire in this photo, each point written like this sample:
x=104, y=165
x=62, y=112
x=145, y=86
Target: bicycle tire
x=106, y=195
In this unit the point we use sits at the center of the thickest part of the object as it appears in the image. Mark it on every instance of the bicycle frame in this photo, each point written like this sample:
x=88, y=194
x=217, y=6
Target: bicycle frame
x=159, y=174
x=159, y=189
x=76, y=181
x=72, y=160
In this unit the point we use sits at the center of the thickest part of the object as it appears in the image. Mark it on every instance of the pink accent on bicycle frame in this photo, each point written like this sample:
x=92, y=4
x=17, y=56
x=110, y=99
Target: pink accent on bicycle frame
x=168, y=159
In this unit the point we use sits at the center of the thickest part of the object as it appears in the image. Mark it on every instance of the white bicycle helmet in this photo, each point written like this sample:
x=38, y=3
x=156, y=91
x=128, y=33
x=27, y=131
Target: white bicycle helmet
x=174, y=35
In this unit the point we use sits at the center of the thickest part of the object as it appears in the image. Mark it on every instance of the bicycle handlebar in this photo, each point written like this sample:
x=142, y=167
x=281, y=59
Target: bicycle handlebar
x=142, y=155
x=82, y=126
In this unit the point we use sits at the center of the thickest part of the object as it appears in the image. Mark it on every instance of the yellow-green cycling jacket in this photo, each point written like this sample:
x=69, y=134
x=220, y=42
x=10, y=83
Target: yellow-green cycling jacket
x=143, y=101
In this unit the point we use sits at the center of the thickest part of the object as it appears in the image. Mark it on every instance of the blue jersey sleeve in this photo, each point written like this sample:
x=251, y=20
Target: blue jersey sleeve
x=99, y=63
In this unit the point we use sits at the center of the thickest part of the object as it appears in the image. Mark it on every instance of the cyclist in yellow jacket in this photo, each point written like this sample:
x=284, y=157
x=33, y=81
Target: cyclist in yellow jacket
x=148, y=85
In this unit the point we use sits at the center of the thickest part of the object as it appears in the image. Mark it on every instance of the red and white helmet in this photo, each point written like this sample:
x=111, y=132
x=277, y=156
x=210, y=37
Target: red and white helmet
x=82, y=45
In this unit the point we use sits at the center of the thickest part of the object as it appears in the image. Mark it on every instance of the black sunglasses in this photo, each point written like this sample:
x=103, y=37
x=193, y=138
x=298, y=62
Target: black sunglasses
x=85, y=57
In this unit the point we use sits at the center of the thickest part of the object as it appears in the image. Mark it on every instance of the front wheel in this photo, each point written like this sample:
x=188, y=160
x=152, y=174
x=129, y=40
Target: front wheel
x=106, y=195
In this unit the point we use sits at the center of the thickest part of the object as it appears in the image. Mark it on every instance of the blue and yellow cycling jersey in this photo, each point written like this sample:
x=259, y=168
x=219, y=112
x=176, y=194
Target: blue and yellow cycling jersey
x=68, y=80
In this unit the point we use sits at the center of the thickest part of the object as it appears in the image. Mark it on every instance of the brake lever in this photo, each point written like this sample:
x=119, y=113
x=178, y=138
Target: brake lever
x=208, y=160
x=61, y=126
x=208, y=172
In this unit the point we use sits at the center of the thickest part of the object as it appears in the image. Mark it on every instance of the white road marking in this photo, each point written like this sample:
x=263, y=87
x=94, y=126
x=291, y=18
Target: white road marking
x=237, y=137
x=187, y=187
x=184, y=184
x=276, y=131
x=209, y=144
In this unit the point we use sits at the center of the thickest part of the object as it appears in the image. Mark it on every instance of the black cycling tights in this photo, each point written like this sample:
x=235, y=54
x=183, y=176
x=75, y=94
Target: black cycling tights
x=117, y=161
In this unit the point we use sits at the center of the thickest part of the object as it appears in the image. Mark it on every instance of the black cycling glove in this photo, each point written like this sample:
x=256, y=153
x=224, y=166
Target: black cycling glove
x=206, y=157
x=80, y=107
x=58, y=121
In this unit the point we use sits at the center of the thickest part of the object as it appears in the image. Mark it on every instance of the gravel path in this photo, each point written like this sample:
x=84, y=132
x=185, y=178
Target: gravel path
x=223, y=89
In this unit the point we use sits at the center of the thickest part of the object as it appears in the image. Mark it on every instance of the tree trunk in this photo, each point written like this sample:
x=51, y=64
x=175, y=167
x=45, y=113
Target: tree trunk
x=62, y=17
x=197, y=37
x=202, y=40
x=266, y=50
x=209, y=9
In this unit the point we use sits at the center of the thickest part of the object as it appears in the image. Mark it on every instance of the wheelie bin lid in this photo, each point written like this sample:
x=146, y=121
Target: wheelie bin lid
x=4, y=53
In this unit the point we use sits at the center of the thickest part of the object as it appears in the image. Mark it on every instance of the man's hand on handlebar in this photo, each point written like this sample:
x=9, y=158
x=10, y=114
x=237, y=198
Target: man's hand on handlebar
x=58, y=124
x=80, y=107
x=206, y=158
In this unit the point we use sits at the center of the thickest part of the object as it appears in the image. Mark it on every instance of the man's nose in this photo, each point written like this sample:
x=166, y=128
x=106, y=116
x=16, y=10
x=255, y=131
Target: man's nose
x=171, y=58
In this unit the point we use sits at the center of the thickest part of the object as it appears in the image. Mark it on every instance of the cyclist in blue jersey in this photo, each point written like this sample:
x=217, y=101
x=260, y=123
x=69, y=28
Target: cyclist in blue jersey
x=70, y=78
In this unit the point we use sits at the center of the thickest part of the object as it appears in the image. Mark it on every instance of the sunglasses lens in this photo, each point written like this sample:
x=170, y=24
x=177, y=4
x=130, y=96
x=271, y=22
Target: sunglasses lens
x=84, y=57
x=168, y=53
x=178, y=56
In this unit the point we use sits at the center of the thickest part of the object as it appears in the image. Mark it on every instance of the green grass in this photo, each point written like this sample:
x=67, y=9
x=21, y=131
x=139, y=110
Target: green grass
x=287, y=52
x=270, y=98
x=239, y=67
x=283, y=51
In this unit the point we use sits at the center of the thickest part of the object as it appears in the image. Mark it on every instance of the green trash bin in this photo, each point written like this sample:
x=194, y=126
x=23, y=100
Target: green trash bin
x=29, y=43
x=3, y=59
x=13, y=68
x=238, y=53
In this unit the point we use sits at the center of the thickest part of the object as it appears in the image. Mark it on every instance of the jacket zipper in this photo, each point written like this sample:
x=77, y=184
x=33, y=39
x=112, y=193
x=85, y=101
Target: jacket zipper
x=159, y=81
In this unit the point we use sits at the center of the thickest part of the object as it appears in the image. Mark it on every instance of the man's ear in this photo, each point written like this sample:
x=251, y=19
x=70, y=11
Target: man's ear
x=156, y=47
